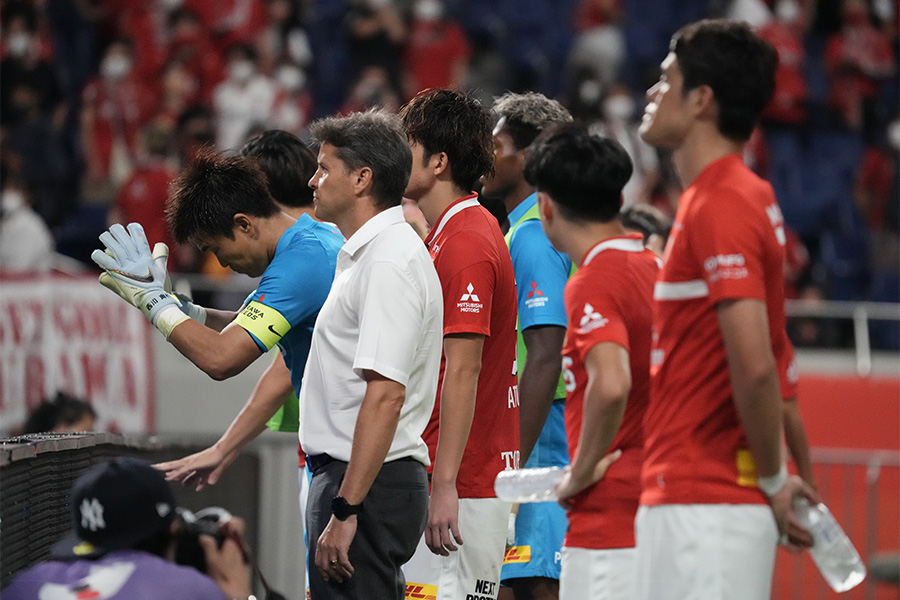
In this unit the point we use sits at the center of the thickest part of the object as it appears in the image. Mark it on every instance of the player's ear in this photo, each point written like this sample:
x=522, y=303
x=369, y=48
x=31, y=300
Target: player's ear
x=440, y=161
x=546, y=208
x=243, y=224
x=703, y=100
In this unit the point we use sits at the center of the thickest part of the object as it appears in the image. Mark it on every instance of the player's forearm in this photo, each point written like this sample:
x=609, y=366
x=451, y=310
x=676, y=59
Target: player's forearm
x=376, y=425
x=207, y=350
x=758, y=401
x=537, y=388
x=456, y=415
x=798, y=445
x=605, y=399
x=538, y=382
x=271, y=392
x=217, y=320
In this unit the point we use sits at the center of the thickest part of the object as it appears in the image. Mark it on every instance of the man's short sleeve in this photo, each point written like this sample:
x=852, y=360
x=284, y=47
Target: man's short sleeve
x=728, y=245
x=541, y=274
x=291, y=291
x=594, y=316
x=390, y=322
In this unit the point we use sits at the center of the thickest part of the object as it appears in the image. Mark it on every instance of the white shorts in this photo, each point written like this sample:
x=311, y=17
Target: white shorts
x=473, y=571
x=598, y=574
x=705, y=551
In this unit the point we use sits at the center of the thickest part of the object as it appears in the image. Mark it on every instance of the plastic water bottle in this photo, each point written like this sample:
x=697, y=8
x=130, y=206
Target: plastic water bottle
x=528, y=485
x=832, y=551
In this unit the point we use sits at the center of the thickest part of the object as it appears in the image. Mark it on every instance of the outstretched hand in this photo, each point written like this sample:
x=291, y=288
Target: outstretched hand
x=199, y=469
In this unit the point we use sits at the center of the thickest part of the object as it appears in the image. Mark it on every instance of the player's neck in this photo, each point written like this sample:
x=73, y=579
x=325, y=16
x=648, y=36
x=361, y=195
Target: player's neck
x=580, y=237
x=700, y=149
x=298, y=211
x=436, y=200
x=517, y=196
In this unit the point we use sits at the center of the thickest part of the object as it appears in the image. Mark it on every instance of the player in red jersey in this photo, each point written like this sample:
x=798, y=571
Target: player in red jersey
x=713, y=449
x=606, y=356
x=474, y=430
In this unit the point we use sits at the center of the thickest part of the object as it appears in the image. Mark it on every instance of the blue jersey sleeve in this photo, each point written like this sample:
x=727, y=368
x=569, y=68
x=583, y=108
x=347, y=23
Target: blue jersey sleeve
x=541, y=274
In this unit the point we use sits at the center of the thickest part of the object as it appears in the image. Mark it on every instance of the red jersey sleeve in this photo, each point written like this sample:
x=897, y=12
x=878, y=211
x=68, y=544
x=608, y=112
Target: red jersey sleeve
x=468, y=284
x=594, y=315
x=729, y=245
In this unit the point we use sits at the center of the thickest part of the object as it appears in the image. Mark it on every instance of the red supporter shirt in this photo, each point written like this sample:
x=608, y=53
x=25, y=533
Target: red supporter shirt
x=142, y=199
x=726, y=243
x=479, y=289
x=610, y=299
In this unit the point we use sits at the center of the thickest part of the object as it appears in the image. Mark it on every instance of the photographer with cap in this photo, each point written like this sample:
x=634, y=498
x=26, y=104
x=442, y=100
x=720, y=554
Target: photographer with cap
x=122, y=545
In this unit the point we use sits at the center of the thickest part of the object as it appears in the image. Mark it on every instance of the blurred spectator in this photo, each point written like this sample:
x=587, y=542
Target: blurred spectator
x=376, y=32
x=114, y=107
x=372, y=89
x=858, y=58
x=293, y=106
x=190, y=43
x=179, y=89
x=36, y=143
x=619, y=124
x=142, y=197
x=796, y=264
x=650, y=222
x=230, y=22
x=23, y=63
x=283, y=38
x=243, y=100
x=194, y=129
x=437, y=52
x=145, y=22
x=599, y=44
x=62, y=414
x=25, y=242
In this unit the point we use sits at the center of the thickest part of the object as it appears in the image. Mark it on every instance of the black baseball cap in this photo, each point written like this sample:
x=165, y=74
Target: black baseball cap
x=116, y=504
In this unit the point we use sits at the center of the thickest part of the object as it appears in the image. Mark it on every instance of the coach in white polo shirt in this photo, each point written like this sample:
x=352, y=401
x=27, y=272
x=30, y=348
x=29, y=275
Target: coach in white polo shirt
x=371, y=377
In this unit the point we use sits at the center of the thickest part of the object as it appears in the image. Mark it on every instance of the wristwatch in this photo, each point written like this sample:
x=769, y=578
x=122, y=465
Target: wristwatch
x=342, y=509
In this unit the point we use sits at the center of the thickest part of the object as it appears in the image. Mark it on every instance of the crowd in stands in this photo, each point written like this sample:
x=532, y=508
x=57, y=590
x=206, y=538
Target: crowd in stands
x=102, y=102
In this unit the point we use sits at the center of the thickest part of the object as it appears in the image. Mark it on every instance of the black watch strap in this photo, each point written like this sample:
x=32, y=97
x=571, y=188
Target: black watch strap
x=342, y=509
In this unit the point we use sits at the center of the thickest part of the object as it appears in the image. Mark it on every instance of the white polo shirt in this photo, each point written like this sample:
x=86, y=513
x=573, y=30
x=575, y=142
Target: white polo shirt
x=384, y=313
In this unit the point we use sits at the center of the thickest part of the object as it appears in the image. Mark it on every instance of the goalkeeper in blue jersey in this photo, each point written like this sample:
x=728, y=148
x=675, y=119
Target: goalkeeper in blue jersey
x=222, y=204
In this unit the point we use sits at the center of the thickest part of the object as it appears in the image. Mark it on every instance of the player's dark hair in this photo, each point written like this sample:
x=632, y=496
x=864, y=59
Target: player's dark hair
x=211, y=190
x=735, y=63
x=456, y=124
x=288, y=164
x=371, y=139
x=63, y=409
x=526, y=115
x=583, y=173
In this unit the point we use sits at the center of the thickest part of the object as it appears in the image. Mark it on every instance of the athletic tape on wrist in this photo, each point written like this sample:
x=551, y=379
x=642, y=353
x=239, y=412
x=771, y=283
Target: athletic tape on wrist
x=168, y=318
x=772, y=485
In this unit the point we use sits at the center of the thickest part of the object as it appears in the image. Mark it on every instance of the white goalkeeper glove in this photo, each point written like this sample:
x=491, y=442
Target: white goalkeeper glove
x=161, y=259
x=140, y=279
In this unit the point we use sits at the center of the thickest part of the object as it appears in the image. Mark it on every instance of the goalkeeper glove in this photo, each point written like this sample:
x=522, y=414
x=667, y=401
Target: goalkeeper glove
x=140, y=279
x=161, y=258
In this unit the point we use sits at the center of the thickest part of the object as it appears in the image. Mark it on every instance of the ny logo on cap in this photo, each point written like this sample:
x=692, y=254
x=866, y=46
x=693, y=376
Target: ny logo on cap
x=92, y=514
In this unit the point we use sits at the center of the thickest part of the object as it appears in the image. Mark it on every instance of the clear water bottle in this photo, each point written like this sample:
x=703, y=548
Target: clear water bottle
x=832, y=551
x=528, y=485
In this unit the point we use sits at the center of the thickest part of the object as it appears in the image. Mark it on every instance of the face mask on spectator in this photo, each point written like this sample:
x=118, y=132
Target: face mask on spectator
x=618, y=107
x=429, y=10
x=11, y=200
x=290, y=77
x=19, y=43
x=787, y=11
x=115, y=67
x=241, y=70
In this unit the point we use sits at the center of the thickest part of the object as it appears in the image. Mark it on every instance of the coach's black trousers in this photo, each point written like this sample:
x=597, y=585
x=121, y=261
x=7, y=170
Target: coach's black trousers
x=389, y=528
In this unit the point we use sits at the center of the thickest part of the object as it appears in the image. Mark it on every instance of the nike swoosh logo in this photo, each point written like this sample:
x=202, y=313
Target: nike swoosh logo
x=272, y=329
x=148, y=278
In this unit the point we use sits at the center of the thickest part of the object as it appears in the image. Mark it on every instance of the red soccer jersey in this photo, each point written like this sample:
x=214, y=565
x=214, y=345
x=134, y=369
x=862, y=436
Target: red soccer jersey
x=610, y=299
x=479, y=288
x=726, y=243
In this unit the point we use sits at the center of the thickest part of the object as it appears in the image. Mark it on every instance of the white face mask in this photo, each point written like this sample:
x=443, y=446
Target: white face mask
x=291, y=78
x=589, y=91
x=115, y=67
x=19, y=43
x=893, y=134
x=787, y=11
x=11, y=200
x=429, y=10
x=618, y=108
x=240, y=71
